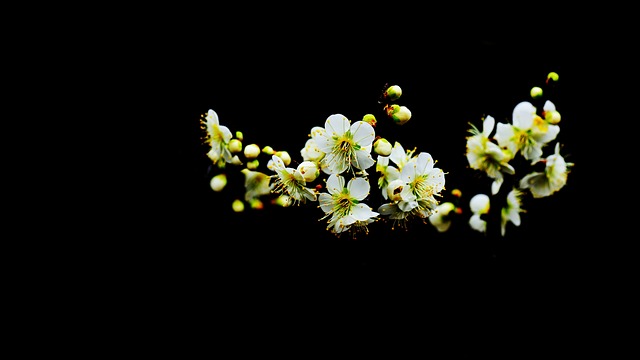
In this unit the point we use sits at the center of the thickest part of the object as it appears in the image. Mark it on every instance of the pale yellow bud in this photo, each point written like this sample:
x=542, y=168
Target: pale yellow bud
x=370, y=119
x=218, y=182
x=253, y=164
x=251, y=151
x=235, y=145
x=237, y=205
x=382, y=147
x=309, y=170
x=399, y=114
x=286, y=158
x=393, y=93
x=553, y=116
x=268, y=150
x=536, y=92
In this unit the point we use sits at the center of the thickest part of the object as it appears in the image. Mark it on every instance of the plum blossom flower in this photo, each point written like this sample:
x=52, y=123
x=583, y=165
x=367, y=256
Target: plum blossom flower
x=528, y=133
x=344, y=206
x=441, y=217
x=553, y=178
x=218, y=137
x=485, y=155
x=511, y=211
x=346, y=146
x=289, y=181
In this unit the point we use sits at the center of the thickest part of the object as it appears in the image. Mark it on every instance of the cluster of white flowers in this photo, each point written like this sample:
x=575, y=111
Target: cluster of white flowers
x=337, y=157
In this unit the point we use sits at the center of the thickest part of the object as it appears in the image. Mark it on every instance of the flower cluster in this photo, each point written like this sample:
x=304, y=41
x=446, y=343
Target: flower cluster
x=341, y=157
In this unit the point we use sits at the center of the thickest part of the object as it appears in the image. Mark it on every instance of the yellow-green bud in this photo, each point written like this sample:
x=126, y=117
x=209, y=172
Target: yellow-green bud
x=370, y=119
x=218, y=182
x=235, y=145
x=382, y=147
x=536, y=92
x=237, y=205
x=553, y=76
x=256, y=204
x=239, y=135
x=552, y=116
x=399, y=114
x=393, y=93
x=286, y=158
x=251, y=151
x=268, y=150
x=309, y=170
x=253, y=164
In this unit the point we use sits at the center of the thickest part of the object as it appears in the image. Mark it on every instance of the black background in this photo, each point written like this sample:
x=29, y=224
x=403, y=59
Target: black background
x=275, y=91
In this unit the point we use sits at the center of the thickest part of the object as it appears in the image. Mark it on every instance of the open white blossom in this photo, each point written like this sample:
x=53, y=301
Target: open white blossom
x=289, y=181
x=344, y=206
x=346, y=146
x=218, y=137
x=527, y=134
x=553, y=178
x=511, y=211
x=485, y=155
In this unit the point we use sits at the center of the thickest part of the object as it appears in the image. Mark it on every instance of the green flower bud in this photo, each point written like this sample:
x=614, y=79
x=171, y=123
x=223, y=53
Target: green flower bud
x=253, y=164
x=393, y=93
x=552, y=117
x=382, y=147
x=399, y=114
x=268, y=150
x=237, y=205
x=370, y=119
x=235, y=145
x=239, y=135
x=536, y=92
x=553, y=77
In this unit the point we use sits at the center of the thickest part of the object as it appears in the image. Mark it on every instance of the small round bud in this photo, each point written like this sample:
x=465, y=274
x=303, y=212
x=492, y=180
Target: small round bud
x=536, y=92
x=393, y=93
x=382, y=147
x=456, y=192
x=268, y=150
x=552, y=117
x=480, y=204
x=552, y=76
x=399, y=114
x=309, y=170
x=235, y=145
x=370, y=119
x=251, y=151
x=256, y=204
x=237, y=205
x=253, y=164
x=218, y=182
x=239, y=135
x=286, y=158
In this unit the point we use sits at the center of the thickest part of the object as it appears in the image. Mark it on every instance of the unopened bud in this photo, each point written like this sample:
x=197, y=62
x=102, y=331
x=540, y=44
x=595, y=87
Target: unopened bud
x=399, y=114
x=251, y=151
x=309, y=170
x=235, y=145
x=536, y=92
x=552, y=117
x=552, y=77
x=393, y=93
x=237, y=205
x=239, y=135
x=370, y=119
x=253, y=164
x=268, y=150
x=286, y=158
x=218, y=182
x=382, y=147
